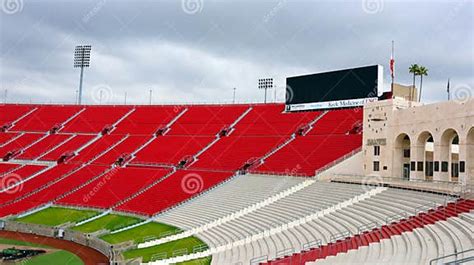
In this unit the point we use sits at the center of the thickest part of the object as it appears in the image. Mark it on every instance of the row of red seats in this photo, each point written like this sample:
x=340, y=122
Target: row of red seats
x=377, y=234
x=6, y=168
x=231, y=153
x=113, y=187
x=43, y=146
x=130, y=144
x=270, y=120
x=70, y=145
x=44, y=118
x=171, y=149
x=7, y=137
x=305, y=155
x=175, y=189
x=94, y=118
x=37, y=182
x=146, y=120
x=197, y=120
x=20, y=143
x=54, y=191
x=96, y=148
x=337, y=122
x=19, y=174
x=11, y=113
x=206, y=120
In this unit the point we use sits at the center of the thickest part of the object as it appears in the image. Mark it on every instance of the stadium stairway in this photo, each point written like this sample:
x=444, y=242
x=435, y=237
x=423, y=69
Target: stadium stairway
x=394, y=238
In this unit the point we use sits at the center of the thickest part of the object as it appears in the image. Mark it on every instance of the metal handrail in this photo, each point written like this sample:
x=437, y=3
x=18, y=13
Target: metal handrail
x=395, y=217
x=341, y=235
x=284, y=252
x=450, y=255
x=312, y=244
x=367, y=227
x=454, y=183
x=259, y=259
x=424, y=207
x=278, y=173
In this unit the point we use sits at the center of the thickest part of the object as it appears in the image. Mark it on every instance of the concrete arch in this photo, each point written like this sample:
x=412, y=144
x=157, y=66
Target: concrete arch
x=424, y=154
x=448, y=155
x=469, y=164
x=402, y=154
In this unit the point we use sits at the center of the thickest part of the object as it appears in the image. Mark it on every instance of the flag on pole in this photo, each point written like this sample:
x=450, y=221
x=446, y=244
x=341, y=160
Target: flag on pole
x=392, y=64
x=447, y=88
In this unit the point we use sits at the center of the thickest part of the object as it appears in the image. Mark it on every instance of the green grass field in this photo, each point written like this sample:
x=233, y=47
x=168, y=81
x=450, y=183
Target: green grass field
x=167, y=249
x=54, y=216
x=57, y=257
x=202, y=261
x=141, y=233
x=110, y=222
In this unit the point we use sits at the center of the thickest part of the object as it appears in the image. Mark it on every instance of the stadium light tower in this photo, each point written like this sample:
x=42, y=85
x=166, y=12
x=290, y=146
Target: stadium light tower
x=82, y=59
x=265, y=83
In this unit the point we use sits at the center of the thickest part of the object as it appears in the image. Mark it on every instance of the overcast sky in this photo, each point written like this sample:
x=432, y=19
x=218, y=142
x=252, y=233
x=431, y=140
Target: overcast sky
x=198, y=50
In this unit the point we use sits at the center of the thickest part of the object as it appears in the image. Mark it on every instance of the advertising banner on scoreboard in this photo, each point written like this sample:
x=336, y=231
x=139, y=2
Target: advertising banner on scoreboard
x=345, y=88
x=330, y=104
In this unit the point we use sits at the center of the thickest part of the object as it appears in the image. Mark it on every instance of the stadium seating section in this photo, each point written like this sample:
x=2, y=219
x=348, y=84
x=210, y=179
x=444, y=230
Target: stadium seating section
x=178, y=187
x=120, y=156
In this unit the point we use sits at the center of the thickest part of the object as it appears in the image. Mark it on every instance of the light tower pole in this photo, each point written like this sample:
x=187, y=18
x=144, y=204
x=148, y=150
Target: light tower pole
x=151, y=95
x=82, y=58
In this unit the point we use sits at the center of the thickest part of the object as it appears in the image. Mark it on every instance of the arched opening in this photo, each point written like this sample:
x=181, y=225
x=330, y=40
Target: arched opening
x=449, y=155
x=425, y=156
x=401, y=163
x=469, y=164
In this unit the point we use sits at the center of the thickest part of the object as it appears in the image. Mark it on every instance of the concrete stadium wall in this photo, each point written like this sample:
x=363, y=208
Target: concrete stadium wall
x=397, y=124
x=70, y=235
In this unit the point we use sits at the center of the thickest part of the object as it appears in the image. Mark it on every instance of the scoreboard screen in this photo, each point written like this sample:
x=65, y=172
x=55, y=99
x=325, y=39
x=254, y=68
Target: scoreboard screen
x=336, y=89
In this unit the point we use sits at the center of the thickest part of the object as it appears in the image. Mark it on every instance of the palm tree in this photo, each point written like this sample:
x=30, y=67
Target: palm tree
x=413, y=70
x=421, y=72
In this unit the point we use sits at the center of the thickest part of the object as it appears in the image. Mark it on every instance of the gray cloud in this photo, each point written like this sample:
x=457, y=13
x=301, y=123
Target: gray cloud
x=183, y=57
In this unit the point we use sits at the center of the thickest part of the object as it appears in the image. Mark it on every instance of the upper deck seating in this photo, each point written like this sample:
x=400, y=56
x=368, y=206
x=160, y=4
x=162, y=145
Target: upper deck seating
x=45, y=118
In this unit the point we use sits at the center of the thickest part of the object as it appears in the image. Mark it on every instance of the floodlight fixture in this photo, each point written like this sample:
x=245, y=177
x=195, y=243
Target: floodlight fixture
x=265, y=83
x=82, y=59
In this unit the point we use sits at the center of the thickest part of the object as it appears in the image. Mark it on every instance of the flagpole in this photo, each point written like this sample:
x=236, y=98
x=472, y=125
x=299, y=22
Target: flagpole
x=393, y=70
x=449, y=94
